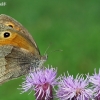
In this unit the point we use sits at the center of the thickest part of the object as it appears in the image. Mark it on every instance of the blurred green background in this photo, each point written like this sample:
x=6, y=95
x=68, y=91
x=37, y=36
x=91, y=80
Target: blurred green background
x=70, y=25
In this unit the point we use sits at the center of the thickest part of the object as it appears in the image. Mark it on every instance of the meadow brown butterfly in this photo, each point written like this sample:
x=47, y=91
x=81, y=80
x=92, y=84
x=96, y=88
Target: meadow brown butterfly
x=18, y=50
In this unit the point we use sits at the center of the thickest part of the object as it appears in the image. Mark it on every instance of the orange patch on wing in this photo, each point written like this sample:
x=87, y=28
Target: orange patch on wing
x=17, y=40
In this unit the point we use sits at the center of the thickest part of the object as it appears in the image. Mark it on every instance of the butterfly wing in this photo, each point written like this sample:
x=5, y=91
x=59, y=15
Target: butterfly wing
x=14, y=62
x=9, y=21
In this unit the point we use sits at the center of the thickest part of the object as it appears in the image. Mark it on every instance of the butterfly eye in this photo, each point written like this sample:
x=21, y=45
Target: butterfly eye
x=6, y=34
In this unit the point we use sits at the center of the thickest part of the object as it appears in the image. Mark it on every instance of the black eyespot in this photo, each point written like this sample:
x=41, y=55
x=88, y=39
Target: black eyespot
x=10, y=26
x=6, y=34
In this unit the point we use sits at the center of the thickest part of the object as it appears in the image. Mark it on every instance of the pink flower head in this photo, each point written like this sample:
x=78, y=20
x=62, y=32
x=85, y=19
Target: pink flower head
x=74, y=89
x=41, y=81
x=95, y=80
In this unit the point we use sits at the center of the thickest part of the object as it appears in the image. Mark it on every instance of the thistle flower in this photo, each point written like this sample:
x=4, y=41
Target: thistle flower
x=42, y=81
x=95, y=80
x=73, y=89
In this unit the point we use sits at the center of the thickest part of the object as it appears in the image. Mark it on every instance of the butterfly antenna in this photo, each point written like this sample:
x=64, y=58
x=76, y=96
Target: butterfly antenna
x=47, y=49
x=55, y=51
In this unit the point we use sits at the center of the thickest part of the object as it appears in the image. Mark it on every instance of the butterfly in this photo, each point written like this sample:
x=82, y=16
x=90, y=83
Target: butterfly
x=18, y=50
